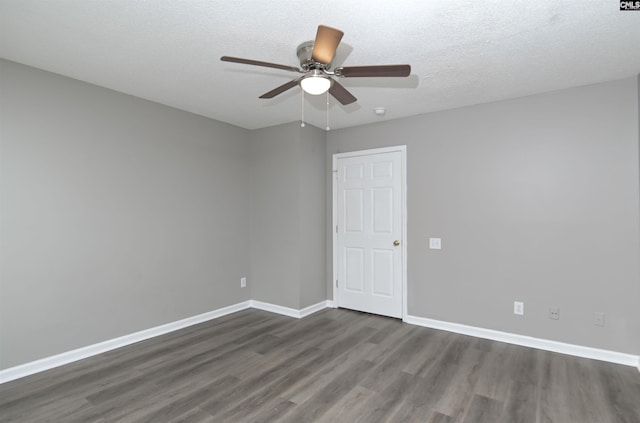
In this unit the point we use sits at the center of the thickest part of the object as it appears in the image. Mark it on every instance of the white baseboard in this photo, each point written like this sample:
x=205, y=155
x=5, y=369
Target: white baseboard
x=273, y=308
x=47, y=363
x=527, y=341
x=291, y=312
x=111, y=344
x=307, y=311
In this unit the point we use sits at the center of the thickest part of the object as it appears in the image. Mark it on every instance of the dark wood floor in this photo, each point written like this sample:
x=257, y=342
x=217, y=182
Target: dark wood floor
x=333, y=366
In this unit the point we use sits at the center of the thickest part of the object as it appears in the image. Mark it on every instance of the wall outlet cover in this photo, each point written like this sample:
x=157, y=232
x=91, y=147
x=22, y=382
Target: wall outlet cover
x=518, y=308
x=598, y=318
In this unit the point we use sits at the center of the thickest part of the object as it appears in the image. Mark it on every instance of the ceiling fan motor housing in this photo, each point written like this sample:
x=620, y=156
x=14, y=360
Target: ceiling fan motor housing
x=304, y=51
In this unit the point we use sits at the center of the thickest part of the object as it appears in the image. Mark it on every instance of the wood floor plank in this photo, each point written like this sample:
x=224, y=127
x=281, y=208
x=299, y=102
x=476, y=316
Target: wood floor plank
x=273, y=412
x=622, y=393
x=460, y=389
x=334, y=366
x=322, y=377
x=181, y=402
x=316, y=406
x=409, y=412
x=245, y=408
x=437, y=417
x=349, y=408
x=495, y=378
x=433, y=342
x=236, y=392
x=484, y=410
x=394, y=360
x=385, y=402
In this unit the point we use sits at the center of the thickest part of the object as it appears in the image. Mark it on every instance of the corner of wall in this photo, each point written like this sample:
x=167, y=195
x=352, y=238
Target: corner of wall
x=288, y=221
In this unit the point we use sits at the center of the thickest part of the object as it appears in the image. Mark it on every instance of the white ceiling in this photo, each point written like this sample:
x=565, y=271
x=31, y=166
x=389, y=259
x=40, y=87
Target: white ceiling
x=461, y=52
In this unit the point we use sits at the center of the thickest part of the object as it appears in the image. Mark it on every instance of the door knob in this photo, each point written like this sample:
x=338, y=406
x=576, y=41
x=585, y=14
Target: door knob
x=396, y=242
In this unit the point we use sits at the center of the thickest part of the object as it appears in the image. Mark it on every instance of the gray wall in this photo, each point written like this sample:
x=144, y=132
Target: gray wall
x=289, y=212
x=117, y=214
x=312, y=187
x=275, y=258
x=536, y=200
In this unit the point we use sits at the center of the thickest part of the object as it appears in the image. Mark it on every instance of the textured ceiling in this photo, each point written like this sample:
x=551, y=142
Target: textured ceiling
x=461, y=52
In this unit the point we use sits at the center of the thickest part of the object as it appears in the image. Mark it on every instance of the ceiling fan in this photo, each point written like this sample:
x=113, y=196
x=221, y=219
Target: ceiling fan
x=315, y=64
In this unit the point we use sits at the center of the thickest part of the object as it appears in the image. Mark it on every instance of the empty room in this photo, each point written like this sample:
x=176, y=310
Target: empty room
x=365, y=211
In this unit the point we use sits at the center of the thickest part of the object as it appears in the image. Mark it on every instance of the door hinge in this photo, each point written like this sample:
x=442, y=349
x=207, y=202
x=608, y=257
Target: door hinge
x=336, y=228
x=336, y=283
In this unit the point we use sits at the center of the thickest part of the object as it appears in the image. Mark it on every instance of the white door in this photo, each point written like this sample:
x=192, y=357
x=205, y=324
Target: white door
x=369, y=217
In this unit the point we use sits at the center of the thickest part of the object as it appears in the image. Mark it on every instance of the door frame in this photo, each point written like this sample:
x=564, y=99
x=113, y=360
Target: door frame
x=334, y=180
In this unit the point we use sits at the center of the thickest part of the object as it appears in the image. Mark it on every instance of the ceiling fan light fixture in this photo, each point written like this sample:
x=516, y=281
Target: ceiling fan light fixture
x=315, y=61
x=315, y=84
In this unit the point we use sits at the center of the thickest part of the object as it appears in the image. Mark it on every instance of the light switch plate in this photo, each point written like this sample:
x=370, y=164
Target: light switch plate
x=435, y=243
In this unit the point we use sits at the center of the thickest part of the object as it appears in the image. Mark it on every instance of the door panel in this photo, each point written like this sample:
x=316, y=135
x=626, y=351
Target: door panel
x=354, y=210
x=382, y=272
x=369, y=214
x=354, y=278
x=382, y=210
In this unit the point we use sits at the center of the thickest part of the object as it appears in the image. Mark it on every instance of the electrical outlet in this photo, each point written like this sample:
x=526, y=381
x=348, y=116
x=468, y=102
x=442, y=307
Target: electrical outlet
x=518, y=308
x=243, y=282
x=554, y=313
x=598, y=318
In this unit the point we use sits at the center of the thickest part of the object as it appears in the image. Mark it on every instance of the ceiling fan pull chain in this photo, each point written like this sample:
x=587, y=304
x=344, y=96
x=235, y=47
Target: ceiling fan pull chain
x=302, y=108
x=327, y=110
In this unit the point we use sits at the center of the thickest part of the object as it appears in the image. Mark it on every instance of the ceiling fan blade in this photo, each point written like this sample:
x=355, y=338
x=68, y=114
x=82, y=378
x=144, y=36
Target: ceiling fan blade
x=326, y=43
x=282, y=88
x=341, y=94
x=374, y=71
x=259, y=63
